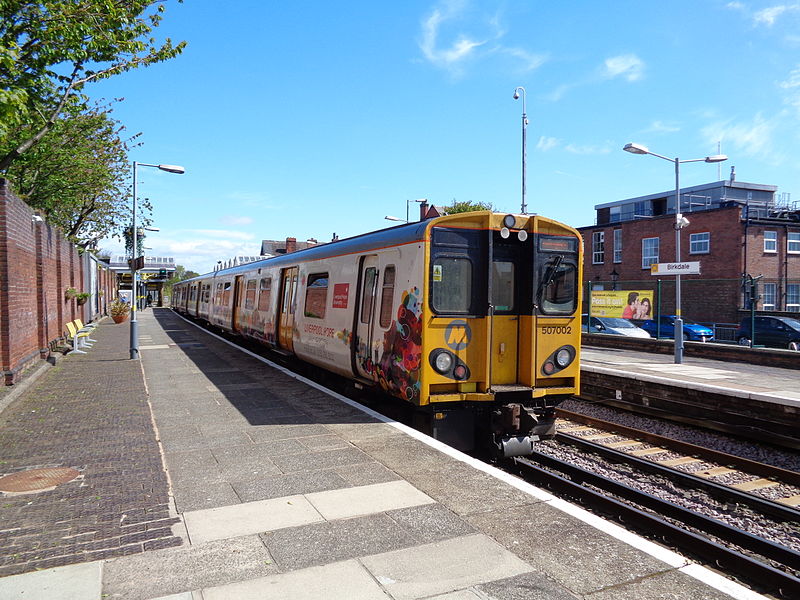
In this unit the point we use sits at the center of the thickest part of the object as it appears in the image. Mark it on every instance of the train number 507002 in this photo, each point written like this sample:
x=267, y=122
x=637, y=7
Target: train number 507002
x=560, y=330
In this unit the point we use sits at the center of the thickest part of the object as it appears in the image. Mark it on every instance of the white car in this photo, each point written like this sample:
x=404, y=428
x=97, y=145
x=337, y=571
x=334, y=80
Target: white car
x=614, y=326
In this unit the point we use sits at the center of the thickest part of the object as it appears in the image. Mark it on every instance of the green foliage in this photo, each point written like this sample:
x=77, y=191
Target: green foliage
x=462, y=207
x=180, y=274
x=77, y=175
x=50, y=50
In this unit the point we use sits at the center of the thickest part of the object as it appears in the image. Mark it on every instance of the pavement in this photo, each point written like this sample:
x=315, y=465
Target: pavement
x=202, y=472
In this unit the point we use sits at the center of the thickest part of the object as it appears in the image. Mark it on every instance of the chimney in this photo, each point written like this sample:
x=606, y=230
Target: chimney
x=312, y=241
x=423, y=210
x=291, y=245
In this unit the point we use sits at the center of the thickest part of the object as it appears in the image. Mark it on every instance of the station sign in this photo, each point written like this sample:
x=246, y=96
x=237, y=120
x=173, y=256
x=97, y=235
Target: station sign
x=679, y=268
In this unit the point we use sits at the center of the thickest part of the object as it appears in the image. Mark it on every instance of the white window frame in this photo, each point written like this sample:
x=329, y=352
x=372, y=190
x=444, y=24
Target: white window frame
x=651, y=257
x=700, y=243
x=598, y=247
x=771, y=241
x=793, y=242
x=618, y=245
x=769, y=295
x=793, y=297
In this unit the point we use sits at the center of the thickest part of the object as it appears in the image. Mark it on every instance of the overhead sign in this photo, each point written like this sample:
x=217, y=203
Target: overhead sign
x=681, y=268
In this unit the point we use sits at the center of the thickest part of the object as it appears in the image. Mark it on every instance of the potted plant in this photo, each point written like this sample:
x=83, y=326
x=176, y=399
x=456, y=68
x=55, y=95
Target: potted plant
x=70, y=293
x=119, y=310
x=82, y=297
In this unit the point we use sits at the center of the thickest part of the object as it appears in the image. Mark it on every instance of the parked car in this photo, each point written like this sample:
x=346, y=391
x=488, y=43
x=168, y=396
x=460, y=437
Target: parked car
x=774, y=332
x=666, y=329
x=614, y=326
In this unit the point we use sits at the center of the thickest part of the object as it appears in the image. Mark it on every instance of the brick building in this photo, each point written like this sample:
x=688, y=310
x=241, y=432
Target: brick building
x=735, y=229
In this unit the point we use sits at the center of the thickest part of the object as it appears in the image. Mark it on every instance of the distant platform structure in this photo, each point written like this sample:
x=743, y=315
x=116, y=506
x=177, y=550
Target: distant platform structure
x=239, y=260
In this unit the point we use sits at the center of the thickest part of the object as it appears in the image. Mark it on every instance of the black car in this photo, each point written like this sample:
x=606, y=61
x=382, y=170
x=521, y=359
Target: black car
x=774, y=332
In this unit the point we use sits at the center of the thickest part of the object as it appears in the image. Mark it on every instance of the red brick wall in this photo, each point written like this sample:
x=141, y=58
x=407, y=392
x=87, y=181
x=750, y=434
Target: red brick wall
x=37, y=265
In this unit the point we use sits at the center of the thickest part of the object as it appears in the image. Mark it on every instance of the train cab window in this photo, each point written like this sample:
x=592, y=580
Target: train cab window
x=264, y=293
x=368, y=297
x=250, y=294
x=503, y=291
x=558, y=286
x=316, y=295
x=387, y=295
x=451, y=280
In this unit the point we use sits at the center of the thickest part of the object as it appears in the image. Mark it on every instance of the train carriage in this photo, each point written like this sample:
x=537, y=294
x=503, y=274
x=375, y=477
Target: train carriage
x=473, y=318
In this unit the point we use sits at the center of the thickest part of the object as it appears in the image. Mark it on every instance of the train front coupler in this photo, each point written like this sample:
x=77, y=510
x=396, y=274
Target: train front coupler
x=516, y=427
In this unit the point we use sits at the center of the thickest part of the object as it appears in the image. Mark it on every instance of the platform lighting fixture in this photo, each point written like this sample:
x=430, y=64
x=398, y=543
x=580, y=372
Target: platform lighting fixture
x=680, y=223
x=517, y=90
x=134, y=341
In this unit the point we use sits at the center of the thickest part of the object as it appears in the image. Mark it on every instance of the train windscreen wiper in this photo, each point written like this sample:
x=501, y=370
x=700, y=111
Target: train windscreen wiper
x=550, y=275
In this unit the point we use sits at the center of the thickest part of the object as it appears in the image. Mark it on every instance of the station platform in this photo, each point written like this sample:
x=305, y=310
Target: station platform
x=203, y=472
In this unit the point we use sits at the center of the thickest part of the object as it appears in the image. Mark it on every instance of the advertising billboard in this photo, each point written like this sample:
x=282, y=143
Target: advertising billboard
x=628, y=304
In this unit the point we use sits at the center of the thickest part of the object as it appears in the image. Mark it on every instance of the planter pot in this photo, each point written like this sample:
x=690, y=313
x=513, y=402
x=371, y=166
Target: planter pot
x=119, y=318
x=81, y=301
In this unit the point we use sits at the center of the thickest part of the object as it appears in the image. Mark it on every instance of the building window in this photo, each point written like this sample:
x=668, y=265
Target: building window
x=649, y=252
x=598, y=247
x=793, y=297
x=618, y=245
x=699, y=243
x=770, y=241
x=768, y=298
x=793, y=242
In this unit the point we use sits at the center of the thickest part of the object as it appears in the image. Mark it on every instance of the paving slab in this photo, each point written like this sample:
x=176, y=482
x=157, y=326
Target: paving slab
x=356, y=501
x=71, y=582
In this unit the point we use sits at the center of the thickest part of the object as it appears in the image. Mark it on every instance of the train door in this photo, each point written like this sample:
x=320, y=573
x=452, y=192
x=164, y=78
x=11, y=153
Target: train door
x=238, y=299
x=364, y=355
x=505, y=309
x=286, y=308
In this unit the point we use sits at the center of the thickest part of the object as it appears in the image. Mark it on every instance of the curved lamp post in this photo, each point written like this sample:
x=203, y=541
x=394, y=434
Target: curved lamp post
x=680, y=223
x=524, y=145
x=134, y=343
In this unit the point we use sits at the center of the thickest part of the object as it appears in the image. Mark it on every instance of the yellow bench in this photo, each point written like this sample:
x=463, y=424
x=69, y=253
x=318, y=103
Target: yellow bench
x=77, y=338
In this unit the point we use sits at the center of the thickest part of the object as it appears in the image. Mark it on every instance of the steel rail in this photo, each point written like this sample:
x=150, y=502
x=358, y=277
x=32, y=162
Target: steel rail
x=718, y=490
x=761, y=575
x=723, y=458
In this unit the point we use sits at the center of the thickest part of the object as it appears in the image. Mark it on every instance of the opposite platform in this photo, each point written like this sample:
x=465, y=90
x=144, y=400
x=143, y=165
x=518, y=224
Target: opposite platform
x=282, y=489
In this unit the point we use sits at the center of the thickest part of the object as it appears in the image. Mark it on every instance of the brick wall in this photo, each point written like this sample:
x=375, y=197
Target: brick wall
x=37, y=265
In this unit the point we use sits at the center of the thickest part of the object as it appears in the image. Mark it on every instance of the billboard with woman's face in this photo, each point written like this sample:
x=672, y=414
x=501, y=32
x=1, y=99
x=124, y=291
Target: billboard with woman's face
x=628, y=304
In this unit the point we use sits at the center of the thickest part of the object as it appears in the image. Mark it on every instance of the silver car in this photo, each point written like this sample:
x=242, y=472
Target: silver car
x=614, y=326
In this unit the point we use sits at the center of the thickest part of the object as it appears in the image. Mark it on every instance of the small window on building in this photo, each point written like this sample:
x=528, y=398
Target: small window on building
x=264, y=293
x=768, y=296
x=618, y=245
x=316, y=295
x=793, y=297
x=793, y=242
x=598, y=247
x=387, y=295
x=700, y=243
x=649, y=252
x=770, y=241
x=250, y=295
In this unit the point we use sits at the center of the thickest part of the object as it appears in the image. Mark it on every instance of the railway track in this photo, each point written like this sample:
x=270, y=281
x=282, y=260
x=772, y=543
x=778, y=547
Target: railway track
x=767, y=565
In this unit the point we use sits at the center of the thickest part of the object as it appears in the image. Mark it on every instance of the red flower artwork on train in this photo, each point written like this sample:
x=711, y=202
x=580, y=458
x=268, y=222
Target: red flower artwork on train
x=397, y=371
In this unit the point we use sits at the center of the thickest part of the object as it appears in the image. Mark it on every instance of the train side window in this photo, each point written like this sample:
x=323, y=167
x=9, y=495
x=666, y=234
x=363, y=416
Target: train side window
x=218, y=294
x=387, y=295
x=264, y=293
x=451, y=280
x=503, y=285
x=250, y=294
x=316, y=295
x=226, y=293
x=368, y=297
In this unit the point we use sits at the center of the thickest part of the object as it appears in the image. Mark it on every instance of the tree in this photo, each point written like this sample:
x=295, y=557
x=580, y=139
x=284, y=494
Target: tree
x=50, y=50
x=180, y=274
x=76, y=176
x=463, y=206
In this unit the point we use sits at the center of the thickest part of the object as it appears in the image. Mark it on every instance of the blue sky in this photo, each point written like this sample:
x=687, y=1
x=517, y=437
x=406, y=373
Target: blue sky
x=306, y=119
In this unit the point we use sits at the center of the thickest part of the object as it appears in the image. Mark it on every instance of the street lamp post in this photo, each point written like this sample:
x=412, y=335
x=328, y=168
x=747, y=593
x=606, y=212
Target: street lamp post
x=680, y=223
x=134, y=341
x=408, y=216
x=524, y=146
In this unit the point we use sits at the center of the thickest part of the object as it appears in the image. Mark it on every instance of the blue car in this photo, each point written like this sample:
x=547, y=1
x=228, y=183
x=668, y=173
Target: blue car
x=666, y=329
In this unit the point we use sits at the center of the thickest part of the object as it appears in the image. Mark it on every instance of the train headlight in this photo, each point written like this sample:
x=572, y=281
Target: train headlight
x=563, y=357
x=443, y=362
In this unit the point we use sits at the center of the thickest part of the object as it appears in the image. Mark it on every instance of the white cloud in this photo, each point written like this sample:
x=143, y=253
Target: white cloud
x=792, y=87
x=749, y=139
x=589, y=149
x=233, y=220
x=628, y=66
x=530, y=61
x=459, y=50
x=735, y=6
x=547, y=143
x=219, y=233
x=661, y=127
x=769, y=16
